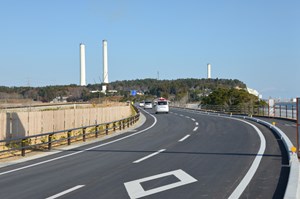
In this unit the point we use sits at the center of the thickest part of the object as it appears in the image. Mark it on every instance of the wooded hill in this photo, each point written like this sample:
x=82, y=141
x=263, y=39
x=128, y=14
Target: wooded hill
x=192, y=89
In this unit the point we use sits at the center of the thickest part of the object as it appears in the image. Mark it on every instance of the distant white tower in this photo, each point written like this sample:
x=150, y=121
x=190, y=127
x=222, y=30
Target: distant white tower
x=82, y=65
x=105, y=65
x=208, y=71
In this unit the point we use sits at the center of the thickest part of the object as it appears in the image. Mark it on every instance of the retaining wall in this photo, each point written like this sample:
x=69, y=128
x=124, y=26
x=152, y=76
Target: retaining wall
x=20, y=124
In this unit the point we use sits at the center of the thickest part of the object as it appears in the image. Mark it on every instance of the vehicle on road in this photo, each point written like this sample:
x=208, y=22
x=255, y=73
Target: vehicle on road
x=142, y=104
x=162, y=106
x=148, y=104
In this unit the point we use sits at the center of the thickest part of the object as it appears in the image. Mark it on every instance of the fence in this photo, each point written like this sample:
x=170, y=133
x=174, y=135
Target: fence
x=280, y=111
x=67, y=136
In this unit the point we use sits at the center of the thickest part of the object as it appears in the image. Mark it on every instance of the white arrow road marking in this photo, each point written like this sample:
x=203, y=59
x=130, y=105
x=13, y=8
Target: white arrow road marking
x=135, y=189
x=149, y=156
x=66, y=192
x=182, y=139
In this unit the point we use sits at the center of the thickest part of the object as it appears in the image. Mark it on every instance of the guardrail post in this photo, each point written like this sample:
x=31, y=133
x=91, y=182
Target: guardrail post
x=106, y=129
x=69, y=137
x=293, y=111
x=120, y=125
x=23, y=147
x=50, y=141
x=127, y=123
x=97, y=131
x=279, y=111
x=83, y=134
x=123, y=124
x=286, y=111
x=114, y=125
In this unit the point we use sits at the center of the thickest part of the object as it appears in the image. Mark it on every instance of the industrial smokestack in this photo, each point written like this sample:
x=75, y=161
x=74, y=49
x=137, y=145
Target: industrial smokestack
x=82, y=65
x=105, y=65
x=208, y=71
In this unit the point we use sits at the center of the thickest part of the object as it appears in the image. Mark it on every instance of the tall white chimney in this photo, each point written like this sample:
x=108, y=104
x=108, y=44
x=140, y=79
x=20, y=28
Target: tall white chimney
x=105, y=65
x=82, y=65
x=208, y=71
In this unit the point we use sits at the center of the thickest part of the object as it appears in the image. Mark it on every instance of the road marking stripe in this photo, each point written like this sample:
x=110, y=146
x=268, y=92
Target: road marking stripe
x=149, y=156
x=195, y=129
x=193, y=119
x=78, y=152
x=249, y=175
x=65, y=192
x=135, y=189
x=182, y=139
x=197, y=123
x=187, y=117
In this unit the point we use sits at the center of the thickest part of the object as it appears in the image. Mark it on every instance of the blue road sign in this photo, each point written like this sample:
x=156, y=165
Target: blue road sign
x=133, y=92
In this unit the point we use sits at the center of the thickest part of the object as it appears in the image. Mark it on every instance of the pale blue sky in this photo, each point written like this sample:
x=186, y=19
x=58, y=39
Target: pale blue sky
x=257, y=41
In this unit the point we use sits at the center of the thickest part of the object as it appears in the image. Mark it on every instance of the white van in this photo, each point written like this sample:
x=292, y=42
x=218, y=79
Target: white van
x=162, y=106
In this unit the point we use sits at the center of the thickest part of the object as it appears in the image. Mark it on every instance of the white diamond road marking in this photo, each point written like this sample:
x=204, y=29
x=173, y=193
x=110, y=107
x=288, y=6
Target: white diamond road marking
x=135, y=190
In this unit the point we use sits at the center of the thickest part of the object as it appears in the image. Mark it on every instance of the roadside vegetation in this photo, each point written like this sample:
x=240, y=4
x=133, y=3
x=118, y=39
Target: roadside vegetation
x=225, y=92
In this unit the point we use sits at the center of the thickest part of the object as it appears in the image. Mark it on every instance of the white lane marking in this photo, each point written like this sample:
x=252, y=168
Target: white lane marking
x=193, y=119
x=195, y=129
x=135, y=189
x=185, y=137
x=78, y=152
x=197, y=123
x=187, y=117
x=65, y=192
x=249, y=175
x=181, y=115
x=149, y=156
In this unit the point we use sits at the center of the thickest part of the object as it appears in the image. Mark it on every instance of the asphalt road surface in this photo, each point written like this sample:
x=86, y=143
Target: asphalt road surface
x=177, y=155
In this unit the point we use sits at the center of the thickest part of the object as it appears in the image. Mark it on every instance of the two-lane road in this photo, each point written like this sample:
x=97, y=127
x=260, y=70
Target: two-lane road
x=176, y=155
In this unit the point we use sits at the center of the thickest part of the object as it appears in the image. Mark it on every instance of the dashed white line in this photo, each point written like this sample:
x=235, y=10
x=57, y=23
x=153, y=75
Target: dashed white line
x=187, y=117
x=149, y=156
x=197, y=123
x=184, y=138
x=195, y=129
x=65, y=192
x=193, y=119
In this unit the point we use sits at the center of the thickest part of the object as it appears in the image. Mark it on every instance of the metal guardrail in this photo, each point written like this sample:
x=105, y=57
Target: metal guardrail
x=48, y=139
x=293, y=186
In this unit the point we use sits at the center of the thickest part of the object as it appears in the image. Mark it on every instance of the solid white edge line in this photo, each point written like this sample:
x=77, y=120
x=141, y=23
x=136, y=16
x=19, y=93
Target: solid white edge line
x=78, y=152
x=149, y=156
x=249, y=175
x=184, y=138
x=65, y=192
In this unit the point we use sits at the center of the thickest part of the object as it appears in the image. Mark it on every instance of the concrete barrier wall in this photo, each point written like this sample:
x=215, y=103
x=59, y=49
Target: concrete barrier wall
x=37, y=122
x=3, y=125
